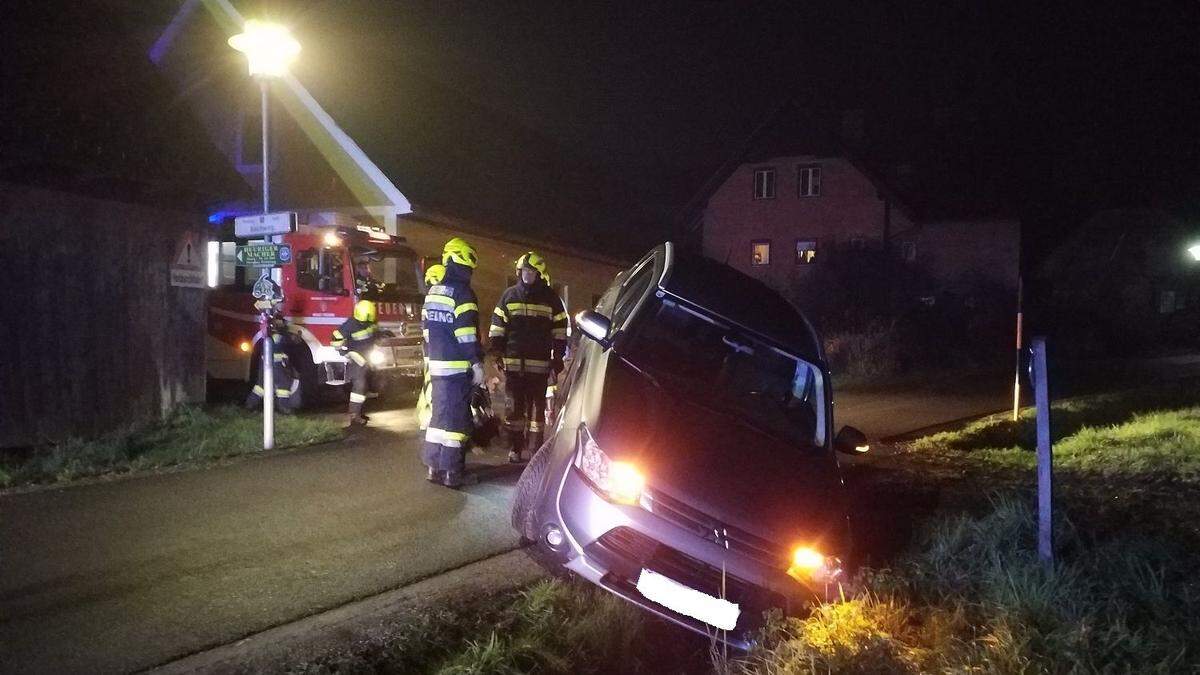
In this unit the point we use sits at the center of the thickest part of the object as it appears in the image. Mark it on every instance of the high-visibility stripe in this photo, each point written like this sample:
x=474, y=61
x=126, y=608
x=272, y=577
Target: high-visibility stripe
x=448, y=367
x=516, y=359
x=499, y=311
x=439, y=300
x=258, y=390
x=283, y=393
x=465, y=330
x=338, y=339
x=363, y=333
x=278, y=358
x=561, y=316
x=450, y=439
x=529, y=309
x=357, y=398
x=425, y=334
x=357, y=358
x=560, y=333
x=496, y=331
x=467, y=339
x=465, y=307
x=534, y=426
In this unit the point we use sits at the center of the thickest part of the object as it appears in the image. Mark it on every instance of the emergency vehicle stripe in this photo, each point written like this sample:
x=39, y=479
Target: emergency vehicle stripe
x=465, y=307
x=357, y=398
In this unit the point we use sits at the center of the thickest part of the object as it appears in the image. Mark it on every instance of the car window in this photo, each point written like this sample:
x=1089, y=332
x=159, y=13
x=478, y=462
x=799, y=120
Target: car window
x=632, y=290
x=717, y=366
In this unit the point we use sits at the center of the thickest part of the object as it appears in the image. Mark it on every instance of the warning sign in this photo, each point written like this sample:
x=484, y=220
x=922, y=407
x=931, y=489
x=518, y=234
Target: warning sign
x=188, y=268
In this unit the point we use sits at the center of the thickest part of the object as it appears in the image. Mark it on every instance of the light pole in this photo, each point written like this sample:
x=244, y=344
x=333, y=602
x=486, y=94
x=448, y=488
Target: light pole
x=269, y=48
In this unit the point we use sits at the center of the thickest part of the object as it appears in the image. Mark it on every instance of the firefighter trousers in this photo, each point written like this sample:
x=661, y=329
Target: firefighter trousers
x=287, y=390
x=528, y=394
x=447, y=437
x=356, y=374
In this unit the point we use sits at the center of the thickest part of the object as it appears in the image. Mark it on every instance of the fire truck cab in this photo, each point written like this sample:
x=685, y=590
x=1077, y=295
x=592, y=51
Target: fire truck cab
x=332, y=267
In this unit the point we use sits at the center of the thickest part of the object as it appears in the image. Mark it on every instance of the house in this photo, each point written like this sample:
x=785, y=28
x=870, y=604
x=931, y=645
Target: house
x=799, y=198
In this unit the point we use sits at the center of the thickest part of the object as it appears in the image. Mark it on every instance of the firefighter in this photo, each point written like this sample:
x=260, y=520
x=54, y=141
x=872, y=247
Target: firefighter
x=529, y=337
x=433, y=277
x=287, y=380
x=354, y=338
x=450, y=321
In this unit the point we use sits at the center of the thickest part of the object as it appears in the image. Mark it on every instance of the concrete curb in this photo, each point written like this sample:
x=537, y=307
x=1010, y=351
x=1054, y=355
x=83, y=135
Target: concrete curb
x=337, y=630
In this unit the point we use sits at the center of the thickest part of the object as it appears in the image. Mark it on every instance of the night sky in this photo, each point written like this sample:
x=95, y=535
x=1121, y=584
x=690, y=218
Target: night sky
x=1077, y=106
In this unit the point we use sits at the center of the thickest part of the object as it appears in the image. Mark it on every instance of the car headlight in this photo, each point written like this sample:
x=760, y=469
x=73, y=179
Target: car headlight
x=377, y=357
x=619, y=482
x=810, y=565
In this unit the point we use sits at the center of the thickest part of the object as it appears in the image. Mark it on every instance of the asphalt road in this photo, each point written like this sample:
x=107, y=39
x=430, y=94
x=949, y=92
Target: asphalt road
x=128, y=574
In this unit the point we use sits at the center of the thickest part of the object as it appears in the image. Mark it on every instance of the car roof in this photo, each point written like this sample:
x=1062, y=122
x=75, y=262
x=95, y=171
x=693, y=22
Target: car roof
x=739, y=299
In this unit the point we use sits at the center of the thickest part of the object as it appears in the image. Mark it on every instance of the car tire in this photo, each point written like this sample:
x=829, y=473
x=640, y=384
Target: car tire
x=524, y=511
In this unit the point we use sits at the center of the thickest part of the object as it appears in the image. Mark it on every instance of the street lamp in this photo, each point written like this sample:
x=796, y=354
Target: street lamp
x=1194, y=251
x=269, y=48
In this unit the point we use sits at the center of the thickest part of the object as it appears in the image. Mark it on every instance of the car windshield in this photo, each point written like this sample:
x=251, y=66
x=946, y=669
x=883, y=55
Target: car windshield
x=392, y=276
x=722, y=368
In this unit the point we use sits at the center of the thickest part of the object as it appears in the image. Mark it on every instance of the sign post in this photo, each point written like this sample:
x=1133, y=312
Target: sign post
x=1045, y=453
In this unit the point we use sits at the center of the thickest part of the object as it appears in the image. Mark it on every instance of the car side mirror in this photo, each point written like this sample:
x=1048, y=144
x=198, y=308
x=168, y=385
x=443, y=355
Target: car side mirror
x=851, y=441
x=596, y=326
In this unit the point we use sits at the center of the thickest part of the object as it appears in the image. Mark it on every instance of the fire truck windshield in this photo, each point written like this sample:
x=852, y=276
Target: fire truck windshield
x=391, y=276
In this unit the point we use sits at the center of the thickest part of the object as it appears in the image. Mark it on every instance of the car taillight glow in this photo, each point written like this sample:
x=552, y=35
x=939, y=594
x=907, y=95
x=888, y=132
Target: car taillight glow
x=620, y=482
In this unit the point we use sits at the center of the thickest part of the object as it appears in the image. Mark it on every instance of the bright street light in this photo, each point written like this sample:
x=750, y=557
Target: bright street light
x=1194, y=250
x=269, y=47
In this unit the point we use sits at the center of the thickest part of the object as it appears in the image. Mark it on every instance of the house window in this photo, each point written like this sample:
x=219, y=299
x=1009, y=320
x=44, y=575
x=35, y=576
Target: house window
x=764, y=183
x=808, y=180
x=908, y=251
x=760, y=252
x=806, y=251
x=1166, y=302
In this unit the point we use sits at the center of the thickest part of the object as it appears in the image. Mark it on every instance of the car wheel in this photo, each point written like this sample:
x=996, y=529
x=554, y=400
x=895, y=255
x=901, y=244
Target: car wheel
x=524, y=511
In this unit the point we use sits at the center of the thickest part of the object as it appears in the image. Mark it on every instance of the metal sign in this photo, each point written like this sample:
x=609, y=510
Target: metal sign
x=266, y=289
x=264, y=255
x=188, y=269
x=265, y=224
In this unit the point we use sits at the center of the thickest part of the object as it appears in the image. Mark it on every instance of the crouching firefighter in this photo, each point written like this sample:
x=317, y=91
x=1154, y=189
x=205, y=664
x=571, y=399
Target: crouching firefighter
x=450, y=320
x=529, y=337
x=433, y=277
x=286, y=379
x=354, y=338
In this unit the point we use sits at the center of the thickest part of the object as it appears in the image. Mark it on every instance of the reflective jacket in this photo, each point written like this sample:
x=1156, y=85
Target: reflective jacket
x=357, y=337
x=450, y=322
x=529, y=329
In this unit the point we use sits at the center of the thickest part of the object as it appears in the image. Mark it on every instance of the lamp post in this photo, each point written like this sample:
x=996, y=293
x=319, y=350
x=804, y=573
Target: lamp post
x=269, y=48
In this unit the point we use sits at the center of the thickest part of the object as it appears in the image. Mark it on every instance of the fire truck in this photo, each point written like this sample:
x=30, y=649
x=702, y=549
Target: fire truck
x=332, y=267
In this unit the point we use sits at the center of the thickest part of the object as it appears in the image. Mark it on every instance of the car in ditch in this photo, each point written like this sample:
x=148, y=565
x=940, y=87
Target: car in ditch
x=691, y=469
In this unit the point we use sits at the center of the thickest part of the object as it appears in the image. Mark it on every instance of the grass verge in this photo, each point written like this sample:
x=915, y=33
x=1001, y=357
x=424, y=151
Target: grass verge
x=550, y=627
x=189, y=436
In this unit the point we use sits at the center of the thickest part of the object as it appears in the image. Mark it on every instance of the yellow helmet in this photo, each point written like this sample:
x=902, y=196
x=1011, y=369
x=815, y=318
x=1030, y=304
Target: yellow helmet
x=460, y=252
x=434, y=274
x=364, y=310
x=536, y=262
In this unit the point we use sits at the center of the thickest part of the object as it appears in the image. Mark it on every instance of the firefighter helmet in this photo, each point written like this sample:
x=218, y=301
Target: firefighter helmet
x=434, y=274
x=460, y=252
x=534, y=262
x=364, y=310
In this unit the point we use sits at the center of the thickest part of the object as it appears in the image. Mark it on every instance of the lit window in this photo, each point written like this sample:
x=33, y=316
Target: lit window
x=760, y=252
x=908, y=251
x=806, y=251
x=764, y=183
x=808, y=180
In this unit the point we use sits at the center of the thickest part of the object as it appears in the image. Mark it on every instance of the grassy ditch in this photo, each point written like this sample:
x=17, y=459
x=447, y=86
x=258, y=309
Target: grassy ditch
x=190, y=436
x=550, y=627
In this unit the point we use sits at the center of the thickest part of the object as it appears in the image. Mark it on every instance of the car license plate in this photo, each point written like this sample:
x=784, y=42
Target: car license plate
x=688, y=601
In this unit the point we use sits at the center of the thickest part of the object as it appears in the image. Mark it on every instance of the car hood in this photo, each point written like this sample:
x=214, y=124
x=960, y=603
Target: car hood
x=724, y=468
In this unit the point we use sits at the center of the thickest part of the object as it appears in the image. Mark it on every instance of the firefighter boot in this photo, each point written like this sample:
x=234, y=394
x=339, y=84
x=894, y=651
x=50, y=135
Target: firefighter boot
x=434, y=476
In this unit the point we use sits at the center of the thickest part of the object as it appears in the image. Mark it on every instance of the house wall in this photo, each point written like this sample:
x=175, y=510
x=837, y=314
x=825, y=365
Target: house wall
x=95, y=336
x=849, y=206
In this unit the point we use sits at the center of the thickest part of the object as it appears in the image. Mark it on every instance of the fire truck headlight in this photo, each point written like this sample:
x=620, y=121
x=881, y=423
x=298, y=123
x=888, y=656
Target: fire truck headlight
x=331, y=239
x=377, y=357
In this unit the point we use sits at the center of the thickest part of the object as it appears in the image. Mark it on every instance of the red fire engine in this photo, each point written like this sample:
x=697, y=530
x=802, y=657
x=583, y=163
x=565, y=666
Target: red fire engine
x=332, y=267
